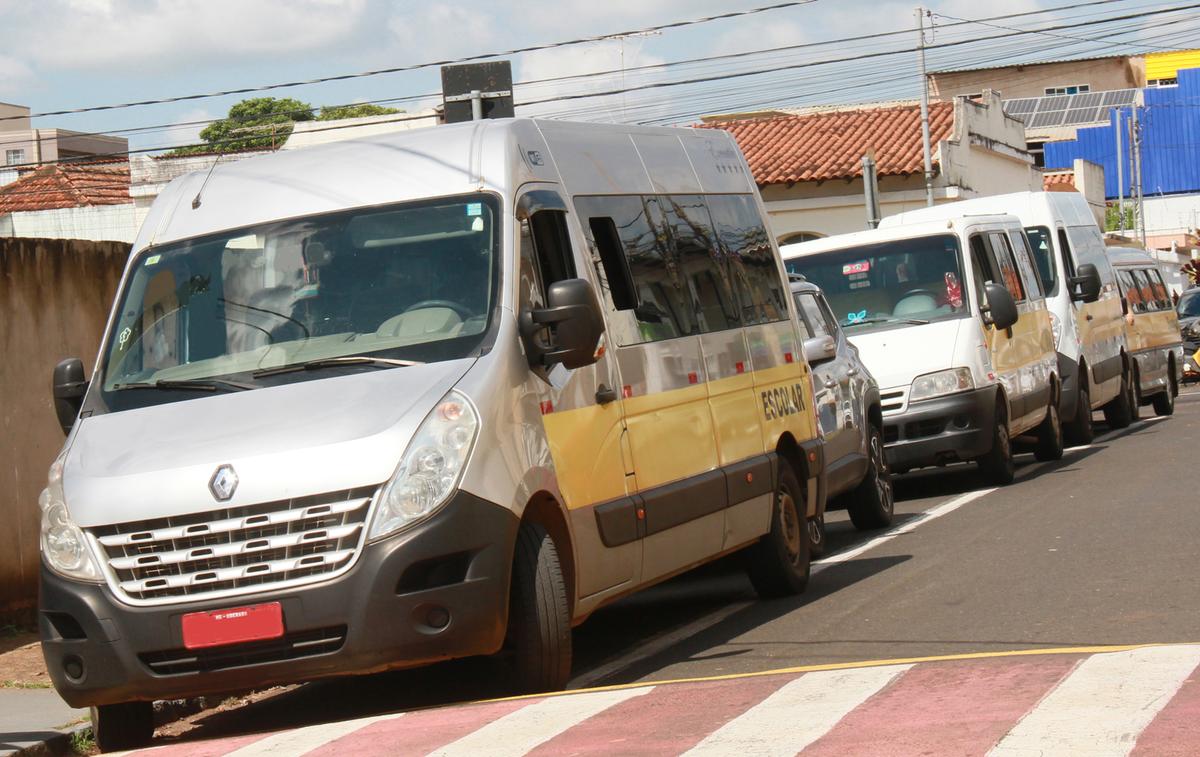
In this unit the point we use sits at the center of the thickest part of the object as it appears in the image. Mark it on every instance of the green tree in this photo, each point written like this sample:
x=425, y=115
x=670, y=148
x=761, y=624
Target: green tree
x=1113, y=220
x=258, y=123
x=334, y=112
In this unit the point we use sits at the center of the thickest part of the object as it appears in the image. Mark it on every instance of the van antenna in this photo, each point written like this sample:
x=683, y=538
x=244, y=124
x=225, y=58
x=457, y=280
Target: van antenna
x=203, y=184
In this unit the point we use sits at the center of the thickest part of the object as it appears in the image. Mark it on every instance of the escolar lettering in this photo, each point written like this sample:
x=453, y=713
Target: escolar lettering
x=783, y=401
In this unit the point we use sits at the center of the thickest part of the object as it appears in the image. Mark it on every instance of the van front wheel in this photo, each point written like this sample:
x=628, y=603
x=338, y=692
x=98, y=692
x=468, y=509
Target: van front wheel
x=117, y=727
x=997, y=465
x=873, y=502
x=539, y=619
x=1164, y=401
x=1050, y=436
x=778, y=565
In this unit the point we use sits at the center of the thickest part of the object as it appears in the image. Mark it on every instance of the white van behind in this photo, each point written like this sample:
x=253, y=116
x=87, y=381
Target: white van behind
x=1081, y=293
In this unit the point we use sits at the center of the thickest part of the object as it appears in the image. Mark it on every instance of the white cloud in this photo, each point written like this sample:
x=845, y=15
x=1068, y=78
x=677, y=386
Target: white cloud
x=86, y=34
x=15, y=76
x=442, y=30
x=604, y=58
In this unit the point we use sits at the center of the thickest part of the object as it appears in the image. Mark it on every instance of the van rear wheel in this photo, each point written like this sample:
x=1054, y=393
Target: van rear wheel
x=872, y=503
x=128, y=725
x=539, y=619
x=1081, y=431
x=779, y=564
x=1164, y=401
x=1050, y=436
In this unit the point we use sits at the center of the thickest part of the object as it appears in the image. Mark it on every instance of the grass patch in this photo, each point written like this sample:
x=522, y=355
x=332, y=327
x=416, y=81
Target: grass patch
x=82, y=742
x=23, y=685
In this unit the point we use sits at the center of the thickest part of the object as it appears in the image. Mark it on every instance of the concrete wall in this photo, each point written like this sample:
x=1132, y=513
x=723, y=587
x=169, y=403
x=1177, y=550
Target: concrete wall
x=112, y=223
x=1032, y=80
x=54, y=302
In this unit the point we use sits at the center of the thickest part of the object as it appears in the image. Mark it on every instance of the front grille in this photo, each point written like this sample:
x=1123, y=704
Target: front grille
x=290, y=647
x=891, y=401
x=234, y=550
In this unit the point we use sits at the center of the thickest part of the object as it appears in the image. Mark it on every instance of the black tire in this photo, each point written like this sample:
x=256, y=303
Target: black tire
x=539, y=618
x=873, y=501
x=117, y=727
x=1081, y=431
x=997, y=465
x=1119, y=413
x=779, y=564
x=1164, y=401
x=1050, y=436
x=817, y=544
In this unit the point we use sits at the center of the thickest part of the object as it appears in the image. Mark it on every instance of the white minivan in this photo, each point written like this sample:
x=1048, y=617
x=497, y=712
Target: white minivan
x=1081, y=293
x=950, y=316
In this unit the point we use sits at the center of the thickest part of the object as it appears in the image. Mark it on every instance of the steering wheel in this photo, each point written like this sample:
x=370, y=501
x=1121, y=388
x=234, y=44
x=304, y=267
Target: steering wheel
x=927, y=292
x=458, y=309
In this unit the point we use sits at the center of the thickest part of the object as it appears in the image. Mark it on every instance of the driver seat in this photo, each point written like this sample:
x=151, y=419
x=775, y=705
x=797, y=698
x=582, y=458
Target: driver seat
x=418, y=323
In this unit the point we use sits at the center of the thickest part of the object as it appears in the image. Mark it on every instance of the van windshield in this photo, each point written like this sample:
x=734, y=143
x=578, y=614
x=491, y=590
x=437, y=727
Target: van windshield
x=404, y=284
x=1189, y=305
x=891, y=283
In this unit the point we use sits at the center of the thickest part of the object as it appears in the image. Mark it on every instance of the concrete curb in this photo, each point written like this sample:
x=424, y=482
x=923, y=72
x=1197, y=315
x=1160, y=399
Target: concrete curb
x=58, y=745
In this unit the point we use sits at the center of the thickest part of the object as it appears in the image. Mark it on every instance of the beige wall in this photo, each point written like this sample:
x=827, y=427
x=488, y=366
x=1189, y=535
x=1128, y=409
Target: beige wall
x=1032, y=81
x=14, y=117
x=48, y=145
x=54, y=301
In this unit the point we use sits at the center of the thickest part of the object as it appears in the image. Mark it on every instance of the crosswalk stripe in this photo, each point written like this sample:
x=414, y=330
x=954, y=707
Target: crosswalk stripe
x=1102, y=707
x=305, y=739
x=799, y=713
x=520, y=731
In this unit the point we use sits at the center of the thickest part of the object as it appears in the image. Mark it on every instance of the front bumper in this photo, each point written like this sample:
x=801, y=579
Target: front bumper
x=947, y=429
x=374, y=617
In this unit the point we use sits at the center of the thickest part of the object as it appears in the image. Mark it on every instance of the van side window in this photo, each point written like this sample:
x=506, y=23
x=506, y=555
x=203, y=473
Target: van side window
x=1133, y=295
x=1007, y=267
x=615, y=278
x=1159, y=288
x=1029, y=274
x=747, y=245
x=546, y=255
x=1145, y=293
x=1043, y=257
x=1064, y=249
x=698, y=253
x=983, y=270
x=812, y=316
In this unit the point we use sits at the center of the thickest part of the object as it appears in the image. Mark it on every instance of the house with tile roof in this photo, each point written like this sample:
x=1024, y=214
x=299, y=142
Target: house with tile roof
x=809, y=169
x=75, y=200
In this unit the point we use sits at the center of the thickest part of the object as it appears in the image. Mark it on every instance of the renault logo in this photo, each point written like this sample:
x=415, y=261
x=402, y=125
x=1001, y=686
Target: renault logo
x=224, y=483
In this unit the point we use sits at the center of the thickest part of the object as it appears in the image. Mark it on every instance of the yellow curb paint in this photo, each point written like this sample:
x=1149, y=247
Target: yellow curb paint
x=845, y=666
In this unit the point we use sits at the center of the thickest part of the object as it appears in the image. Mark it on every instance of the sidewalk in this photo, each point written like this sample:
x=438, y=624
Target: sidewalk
x=36, y=720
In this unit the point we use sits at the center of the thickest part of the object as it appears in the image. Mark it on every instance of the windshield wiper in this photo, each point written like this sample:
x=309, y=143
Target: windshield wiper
x=200, y=385
x=333, y=362
x=868, y=321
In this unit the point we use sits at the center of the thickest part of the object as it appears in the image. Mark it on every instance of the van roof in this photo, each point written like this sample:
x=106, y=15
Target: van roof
x=1033, y=208
x=1130, y=256
x=896, y=231
x=492, y=155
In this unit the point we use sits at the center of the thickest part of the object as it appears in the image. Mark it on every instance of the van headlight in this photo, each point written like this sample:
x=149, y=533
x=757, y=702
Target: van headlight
x=63, y=544
x=942, y=382
x=430, y=469
x=1056, y=327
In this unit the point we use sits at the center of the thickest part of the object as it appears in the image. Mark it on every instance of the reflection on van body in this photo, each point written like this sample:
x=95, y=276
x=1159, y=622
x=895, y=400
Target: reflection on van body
x=421, y=396
x=1151, y=329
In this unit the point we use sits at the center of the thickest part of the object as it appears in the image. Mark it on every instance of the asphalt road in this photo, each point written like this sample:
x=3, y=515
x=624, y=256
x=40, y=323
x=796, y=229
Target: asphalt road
x=1097, y=549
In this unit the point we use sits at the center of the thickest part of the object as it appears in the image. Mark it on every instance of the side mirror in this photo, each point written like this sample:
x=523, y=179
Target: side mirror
x=1001, y=311
x=69, y=386
x=567, y=330
x=819, y=349
x=1088, y=284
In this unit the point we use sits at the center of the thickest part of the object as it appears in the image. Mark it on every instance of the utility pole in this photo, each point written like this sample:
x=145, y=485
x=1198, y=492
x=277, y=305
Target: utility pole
x=1120, y=173
x=1136, y=146
x=871, y=190
x=928, y=152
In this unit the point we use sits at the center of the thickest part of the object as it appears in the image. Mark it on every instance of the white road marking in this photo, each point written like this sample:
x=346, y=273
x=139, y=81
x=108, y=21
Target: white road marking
x=306, y=739
x=1104, y=705
x=798, y=714
x=521, y=731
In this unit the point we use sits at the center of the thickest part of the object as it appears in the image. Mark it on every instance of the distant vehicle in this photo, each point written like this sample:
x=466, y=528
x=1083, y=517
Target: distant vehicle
x=848, y=409
x=1089, y=337
x=951, y=318
x=1188, y=312
x=1151, y=330
x=422, y=396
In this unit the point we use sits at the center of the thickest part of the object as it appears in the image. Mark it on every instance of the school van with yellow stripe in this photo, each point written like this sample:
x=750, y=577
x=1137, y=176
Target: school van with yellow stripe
x=421, y=396
x=950, y=317
x=1151, y=330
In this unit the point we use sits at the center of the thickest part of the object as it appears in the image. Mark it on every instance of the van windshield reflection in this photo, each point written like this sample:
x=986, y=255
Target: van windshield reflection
x=888, y=284
x=382, y=288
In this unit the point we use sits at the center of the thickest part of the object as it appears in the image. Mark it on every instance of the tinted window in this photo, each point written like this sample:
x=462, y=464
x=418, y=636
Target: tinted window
x=1029, y=274
x=1043, y=257
x=696, y=249
x=1159, y=289
x=1006, y=266
x=812, y=315
x=894, y=282
x=1189, y=304
x=753, y=268
x=1133, y=295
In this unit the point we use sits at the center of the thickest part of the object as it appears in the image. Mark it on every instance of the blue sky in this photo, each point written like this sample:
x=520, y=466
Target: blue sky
x=60, y=54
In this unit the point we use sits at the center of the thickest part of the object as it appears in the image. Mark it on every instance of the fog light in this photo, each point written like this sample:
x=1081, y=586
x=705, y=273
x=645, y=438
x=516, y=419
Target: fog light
x=73, y=667
x=961, y=421
x=437, y=618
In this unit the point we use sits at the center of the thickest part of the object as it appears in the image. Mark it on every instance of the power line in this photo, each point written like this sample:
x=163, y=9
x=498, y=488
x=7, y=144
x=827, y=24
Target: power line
x=430, y=64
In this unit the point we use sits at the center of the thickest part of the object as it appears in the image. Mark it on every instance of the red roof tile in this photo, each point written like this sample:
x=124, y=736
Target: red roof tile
x=67, y=185
x=1059, y=182
x=830, y=145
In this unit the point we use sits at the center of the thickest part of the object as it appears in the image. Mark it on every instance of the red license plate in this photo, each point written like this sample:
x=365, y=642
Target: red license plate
x=233, y=626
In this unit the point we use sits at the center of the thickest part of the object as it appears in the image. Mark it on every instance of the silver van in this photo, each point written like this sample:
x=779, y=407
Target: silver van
x=421, y=396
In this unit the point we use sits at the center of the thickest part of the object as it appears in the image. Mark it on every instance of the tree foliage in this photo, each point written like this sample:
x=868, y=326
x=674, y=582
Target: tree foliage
x=334, y=112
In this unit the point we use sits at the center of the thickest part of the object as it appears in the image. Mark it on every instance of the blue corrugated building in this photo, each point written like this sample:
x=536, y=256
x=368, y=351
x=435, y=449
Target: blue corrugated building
x=1170, y=128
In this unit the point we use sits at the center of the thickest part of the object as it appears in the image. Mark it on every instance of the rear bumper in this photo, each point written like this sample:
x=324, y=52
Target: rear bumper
x=941, y=430
x=375, y=617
